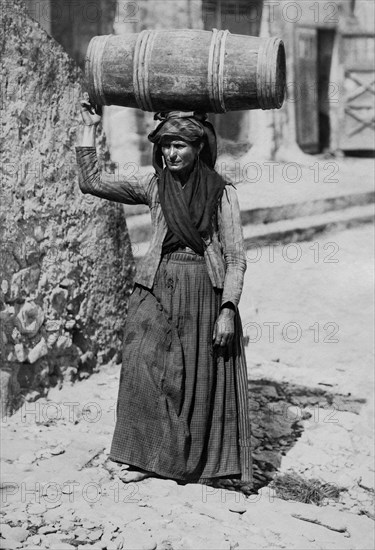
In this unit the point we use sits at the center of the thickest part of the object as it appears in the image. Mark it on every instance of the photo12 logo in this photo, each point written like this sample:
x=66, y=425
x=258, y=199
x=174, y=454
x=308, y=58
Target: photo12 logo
x=292, y=252
x=93, y=11
x=278, y=172
x=51, y=493
x=291, y=332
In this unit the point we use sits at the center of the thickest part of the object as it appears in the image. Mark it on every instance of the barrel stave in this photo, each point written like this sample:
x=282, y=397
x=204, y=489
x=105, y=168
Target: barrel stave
x=180, y=80
x=240, y=67
x=118, y=70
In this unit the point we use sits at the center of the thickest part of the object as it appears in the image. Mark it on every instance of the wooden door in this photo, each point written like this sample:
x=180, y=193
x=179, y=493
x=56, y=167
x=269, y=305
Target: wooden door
x=306, y=89
x=359, y=93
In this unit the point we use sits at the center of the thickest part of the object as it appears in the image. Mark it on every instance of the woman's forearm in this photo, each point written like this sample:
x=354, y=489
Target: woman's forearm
x=87, y=138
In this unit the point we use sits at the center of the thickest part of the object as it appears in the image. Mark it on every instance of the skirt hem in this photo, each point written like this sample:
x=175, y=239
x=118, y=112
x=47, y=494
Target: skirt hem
x=188, y=479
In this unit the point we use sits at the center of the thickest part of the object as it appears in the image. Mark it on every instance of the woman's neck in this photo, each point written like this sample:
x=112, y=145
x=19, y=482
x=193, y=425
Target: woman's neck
x=183, y=176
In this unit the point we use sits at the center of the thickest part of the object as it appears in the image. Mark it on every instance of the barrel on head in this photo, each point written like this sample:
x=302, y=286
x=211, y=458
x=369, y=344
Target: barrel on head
x=159, y=70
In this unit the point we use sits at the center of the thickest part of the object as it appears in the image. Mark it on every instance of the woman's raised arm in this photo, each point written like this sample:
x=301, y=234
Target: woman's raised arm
x=99, y=183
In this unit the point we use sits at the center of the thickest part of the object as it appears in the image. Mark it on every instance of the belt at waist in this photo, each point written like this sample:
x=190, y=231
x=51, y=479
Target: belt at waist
x=183, y=253
x=185, y=249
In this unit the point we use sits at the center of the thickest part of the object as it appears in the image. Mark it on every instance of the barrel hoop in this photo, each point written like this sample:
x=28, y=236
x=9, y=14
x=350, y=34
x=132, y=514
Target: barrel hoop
x=141, y=64
x=266, y=79
x=215, y=76
x=94, y=69
x=223, y=40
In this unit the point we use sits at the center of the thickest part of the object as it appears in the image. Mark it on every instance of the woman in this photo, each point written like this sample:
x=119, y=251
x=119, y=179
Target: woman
x=181, y=412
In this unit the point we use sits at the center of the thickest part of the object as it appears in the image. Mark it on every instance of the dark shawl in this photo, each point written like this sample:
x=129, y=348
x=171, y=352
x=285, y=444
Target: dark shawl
x=188, y=210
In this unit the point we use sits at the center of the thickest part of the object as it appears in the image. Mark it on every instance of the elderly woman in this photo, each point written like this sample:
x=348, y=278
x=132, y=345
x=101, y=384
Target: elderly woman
x=179, y=404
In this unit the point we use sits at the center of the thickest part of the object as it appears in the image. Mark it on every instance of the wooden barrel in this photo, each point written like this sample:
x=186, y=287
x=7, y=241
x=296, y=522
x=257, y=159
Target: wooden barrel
x=210, y=71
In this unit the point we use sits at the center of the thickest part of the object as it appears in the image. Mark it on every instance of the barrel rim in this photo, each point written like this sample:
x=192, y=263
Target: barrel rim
x=270, y=76
x=94, y=69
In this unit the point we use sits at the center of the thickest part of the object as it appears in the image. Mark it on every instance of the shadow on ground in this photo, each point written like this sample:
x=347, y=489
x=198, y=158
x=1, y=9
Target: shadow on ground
x=277, y=410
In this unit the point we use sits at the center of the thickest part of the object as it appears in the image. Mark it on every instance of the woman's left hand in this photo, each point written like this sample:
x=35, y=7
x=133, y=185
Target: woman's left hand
x=224, y=328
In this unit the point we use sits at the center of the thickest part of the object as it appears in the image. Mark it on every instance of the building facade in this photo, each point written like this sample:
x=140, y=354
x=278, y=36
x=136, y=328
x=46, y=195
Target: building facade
x=330, y=67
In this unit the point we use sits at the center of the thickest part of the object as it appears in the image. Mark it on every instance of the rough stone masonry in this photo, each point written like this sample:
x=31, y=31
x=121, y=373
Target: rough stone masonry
x=66, y=262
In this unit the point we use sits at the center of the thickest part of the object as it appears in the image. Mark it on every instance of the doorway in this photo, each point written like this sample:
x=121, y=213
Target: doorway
x=325, y=88
x=313, y=88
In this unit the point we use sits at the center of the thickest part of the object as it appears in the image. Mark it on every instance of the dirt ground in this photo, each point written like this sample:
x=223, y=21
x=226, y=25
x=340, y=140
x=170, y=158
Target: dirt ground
x=310, y=305
x=307, y=312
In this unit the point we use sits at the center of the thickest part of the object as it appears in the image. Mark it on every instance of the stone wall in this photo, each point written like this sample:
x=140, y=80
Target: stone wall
x=66, y=264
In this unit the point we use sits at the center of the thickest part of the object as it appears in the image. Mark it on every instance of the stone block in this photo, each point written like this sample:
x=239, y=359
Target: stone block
x=30, y=318
x=38, y=351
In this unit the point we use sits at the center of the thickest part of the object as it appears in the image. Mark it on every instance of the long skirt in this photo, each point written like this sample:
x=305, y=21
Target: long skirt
x=177, y=403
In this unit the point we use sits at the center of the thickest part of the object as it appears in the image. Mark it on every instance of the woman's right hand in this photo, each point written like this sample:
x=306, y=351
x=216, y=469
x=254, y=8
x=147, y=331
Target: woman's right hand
x=91, y=114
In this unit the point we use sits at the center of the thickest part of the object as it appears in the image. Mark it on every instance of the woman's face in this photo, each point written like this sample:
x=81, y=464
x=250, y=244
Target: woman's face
x=179, y=155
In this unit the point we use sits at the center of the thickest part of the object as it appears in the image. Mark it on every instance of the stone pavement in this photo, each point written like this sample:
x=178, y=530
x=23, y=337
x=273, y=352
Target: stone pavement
x=272, y=184
x=60, y=492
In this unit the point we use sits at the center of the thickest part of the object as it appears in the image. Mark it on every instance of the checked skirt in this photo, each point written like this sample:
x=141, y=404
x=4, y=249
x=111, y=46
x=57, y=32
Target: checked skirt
x=177, y=404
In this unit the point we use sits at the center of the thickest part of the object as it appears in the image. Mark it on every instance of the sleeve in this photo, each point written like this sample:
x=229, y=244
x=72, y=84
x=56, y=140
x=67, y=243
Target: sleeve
x=231, y=237
x=106, y=185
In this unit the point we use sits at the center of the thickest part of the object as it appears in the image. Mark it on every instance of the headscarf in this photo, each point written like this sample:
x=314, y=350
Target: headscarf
x=178, y=124
x=188, y=210
x=190, y=126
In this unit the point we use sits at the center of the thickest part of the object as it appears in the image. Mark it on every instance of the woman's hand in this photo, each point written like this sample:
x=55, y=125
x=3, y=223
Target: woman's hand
x=91, y=114
x=224, y=328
